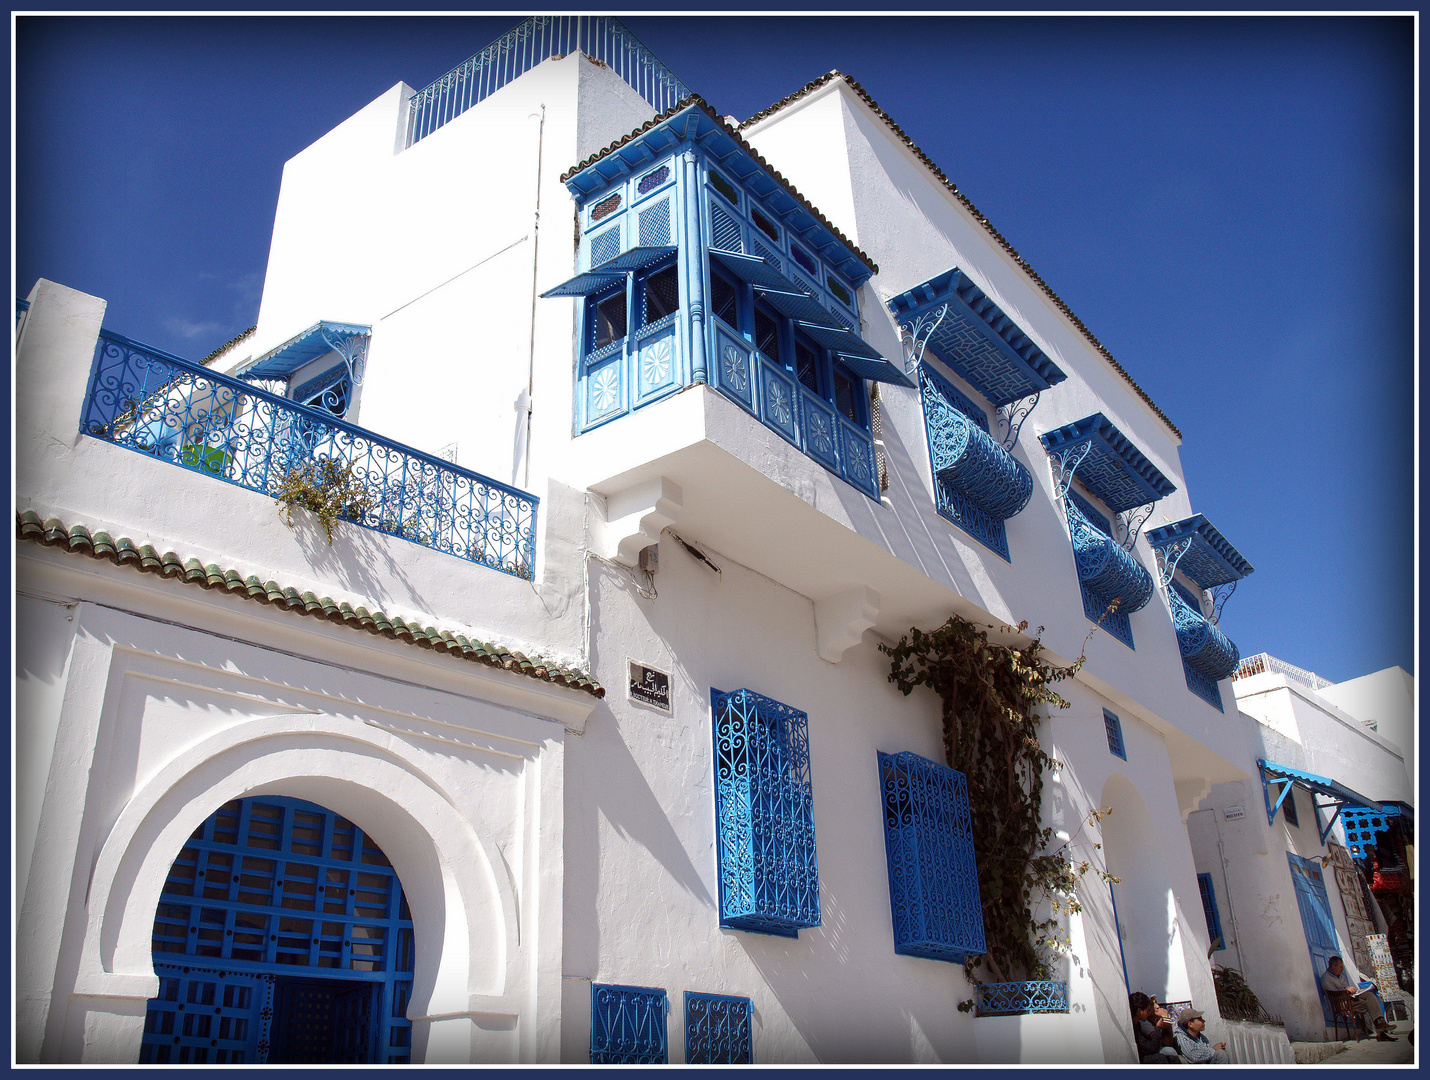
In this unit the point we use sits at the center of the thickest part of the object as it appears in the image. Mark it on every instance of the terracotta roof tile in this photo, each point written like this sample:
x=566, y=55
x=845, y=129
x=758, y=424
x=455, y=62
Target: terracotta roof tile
x=78, y=540
x=968, y=205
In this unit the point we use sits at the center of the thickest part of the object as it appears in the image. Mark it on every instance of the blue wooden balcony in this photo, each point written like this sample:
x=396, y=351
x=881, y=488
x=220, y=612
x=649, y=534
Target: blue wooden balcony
x=181, y=412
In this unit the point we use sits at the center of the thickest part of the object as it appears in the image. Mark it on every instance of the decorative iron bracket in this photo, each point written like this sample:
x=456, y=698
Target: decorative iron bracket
x=1065, y=463
x=277, y=386
x=915, y=335
x=1220, y=595
x=1286, y=784
x=1012, y=415
x=353, y=350
x=1168, y=557
x=1132, y=522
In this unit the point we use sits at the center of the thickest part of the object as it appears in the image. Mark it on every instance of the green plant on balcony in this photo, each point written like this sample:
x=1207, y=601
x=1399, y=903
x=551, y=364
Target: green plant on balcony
x=327, y=489
x=991, y=693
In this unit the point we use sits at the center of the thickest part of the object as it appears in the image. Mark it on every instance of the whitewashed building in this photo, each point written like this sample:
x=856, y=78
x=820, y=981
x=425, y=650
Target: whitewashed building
x=633, y=516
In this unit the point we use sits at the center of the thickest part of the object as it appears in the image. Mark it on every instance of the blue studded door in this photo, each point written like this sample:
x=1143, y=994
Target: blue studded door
x=282, y=936
x=1315, y=909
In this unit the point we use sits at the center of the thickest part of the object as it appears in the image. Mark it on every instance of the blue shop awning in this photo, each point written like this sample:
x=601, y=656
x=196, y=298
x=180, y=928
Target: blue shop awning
x=975, y=338
x=1285, y=777
x=1113, y=469
x=609, y=272
x=1209, y=560
x=318, y=340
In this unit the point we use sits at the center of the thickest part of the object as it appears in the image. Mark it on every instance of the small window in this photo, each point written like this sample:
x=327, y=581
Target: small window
x=1214, y=938
x=717, y=1030
x=767, y=333
x=1288, y=809
x=661, y=295
x=838, y=289
x=606, y=207
x=628, y=1025
x=804, y=259
x=653, y=179
x=764, y=224
x=1114, y=734
x=724, y=299
x=806, y=363
x=846, y=395
x=610, y=320
x=724, y=187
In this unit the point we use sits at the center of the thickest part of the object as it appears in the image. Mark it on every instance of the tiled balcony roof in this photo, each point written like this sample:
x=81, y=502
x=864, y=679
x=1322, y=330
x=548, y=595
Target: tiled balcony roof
x=79, y=540
x=968, y=205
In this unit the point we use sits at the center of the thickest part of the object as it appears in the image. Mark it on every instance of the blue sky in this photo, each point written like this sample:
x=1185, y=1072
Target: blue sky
x=1226, y=202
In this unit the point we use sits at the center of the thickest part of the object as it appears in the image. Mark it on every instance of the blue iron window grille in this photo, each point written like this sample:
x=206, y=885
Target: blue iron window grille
x=933, y=873
x=1208, y=891
x=978, y=484
x=1114, y=733
x=1017, y=998
x=764, y=815
x=717, y=1030
x=1105, y=571
x=282, y=935
x=183, y=413
x=628, y=1025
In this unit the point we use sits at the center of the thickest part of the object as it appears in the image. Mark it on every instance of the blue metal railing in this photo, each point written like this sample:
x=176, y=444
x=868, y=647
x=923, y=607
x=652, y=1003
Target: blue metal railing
x=1017, y=998
x=185, y=414
x=602, y=37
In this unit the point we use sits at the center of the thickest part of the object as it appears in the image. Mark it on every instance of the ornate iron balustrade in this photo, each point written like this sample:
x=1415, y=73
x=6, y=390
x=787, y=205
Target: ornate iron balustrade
x=717, y=1030
x=1265, y=662
x=602, y=37
x=1017, y=998
x=628, y=1025
x=1104, y=567
x=764, y=815
x=1203, y=645
x=180, y=412
x=933, y=875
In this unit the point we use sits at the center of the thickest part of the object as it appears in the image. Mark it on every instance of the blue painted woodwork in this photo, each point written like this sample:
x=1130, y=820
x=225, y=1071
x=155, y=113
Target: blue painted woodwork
x=933, y=873
x=276, y=910
x=717, y=1030
x=764, y=815
x=1362, y=824
x=1208, y=558
x=1016, y=998
x=1105, y=572
x=1113, y=469
x=1289, y=812
x=1113, y=724
x=977, y=483
x=1315, y=911
x=628, y=1025
x=602, y=37
x=348, y=340
x=976, y=339
x=1121, y=946
x=1342, y=797
x=168, y=408
x=1209, y=908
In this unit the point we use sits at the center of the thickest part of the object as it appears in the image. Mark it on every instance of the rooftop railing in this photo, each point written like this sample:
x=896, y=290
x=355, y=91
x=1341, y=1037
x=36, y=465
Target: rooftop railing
x=602, y=37
x=1264, y=662
x=185, y=414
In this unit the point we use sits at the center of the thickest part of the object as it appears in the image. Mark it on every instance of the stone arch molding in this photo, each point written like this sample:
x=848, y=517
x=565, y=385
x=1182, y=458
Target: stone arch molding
x=445, y=865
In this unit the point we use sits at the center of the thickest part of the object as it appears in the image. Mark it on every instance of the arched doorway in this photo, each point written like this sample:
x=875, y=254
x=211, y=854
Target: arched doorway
x=282, y=936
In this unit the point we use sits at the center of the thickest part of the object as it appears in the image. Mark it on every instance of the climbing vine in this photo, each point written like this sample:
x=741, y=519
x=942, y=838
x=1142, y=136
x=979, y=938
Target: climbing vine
x=991, y=693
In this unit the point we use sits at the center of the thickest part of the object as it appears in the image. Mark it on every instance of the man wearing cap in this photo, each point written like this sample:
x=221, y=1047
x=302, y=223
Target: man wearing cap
x=1361, y=996
x=1193, y=1045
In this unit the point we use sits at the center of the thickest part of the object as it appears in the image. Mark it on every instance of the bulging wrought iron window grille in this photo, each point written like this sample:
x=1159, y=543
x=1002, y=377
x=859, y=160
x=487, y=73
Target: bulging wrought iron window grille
x=933, y=875
x=1105, y=571
x=717, y=1030
x=764, y=815
x=1114, y=734
x=628, y=1025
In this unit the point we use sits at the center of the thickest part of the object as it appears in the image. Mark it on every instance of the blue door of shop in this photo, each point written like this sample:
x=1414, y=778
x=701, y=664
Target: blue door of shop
x=1315, y=918
x=282, y=936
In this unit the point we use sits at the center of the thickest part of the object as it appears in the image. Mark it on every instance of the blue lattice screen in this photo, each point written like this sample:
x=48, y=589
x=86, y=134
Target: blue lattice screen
x=628, y=1025
x=933, y=875
x=1209, y=908
x=1361, y=825
x=717, y=1030
x=1113, y=724
x=764, y=815
x=269, y=898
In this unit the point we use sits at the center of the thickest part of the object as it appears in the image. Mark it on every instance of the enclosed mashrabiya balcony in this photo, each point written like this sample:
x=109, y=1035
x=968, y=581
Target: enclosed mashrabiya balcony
x=283, y=421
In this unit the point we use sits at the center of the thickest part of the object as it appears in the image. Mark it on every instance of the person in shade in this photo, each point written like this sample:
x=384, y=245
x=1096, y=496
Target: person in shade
x=1152, y=1027
x=1193, y=1045
x=1363, y=998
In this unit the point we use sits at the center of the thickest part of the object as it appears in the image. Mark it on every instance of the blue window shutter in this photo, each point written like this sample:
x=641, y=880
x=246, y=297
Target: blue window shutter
x=764, y=815
x=717, y=1030
x=628, y=1025
x=933, y=875
x=1204, y=882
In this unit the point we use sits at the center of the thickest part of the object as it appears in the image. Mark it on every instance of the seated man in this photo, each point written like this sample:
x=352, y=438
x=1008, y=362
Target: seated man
x=1193, y=1045
x=1362, y=998
x=1155, y=1044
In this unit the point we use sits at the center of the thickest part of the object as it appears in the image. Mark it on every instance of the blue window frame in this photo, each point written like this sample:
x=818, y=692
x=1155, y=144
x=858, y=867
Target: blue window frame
x=628, y=1025
x=1288, y=809
x=933, y=873
x=1208, y=890
x=1114, y=733
x=717, y=1030
x=978, y=484
x=764, y=815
